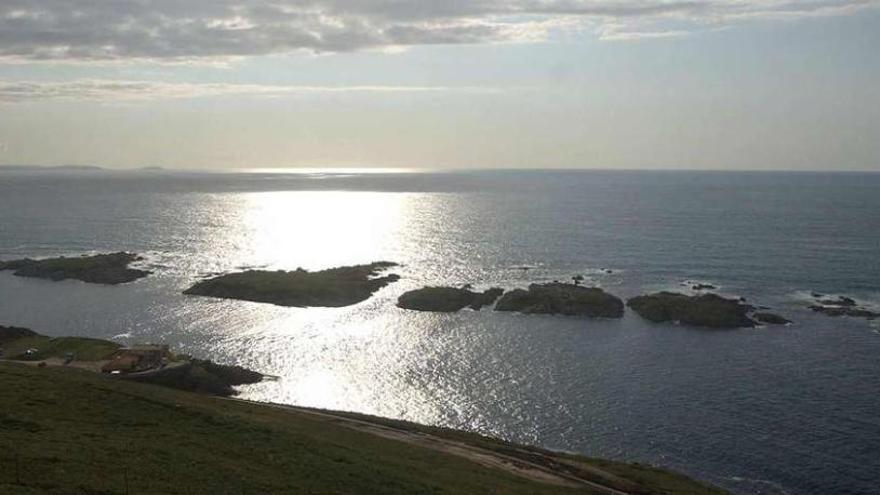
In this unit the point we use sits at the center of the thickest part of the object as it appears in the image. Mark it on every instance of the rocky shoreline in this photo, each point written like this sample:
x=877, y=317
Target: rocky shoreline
x=175, y=371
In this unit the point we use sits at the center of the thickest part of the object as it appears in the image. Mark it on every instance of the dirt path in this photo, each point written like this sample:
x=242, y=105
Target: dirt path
x=484, y=457
x=93, y=366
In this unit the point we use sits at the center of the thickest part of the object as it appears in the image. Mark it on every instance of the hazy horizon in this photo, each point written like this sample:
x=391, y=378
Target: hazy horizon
x=516, y=84
x=86, y=168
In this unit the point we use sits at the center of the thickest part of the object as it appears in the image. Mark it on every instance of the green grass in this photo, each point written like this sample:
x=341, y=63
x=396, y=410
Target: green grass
x=70, y=431
x=85, y=349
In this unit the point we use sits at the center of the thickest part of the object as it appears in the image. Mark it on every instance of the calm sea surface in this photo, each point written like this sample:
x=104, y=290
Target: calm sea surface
x=768, y=410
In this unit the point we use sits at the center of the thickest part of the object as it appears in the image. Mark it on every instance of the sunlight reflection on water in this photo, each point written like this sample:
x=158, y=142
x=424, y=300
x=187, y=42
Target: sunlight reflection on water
x=321, y=229
x=708, y=403
x=341, y=358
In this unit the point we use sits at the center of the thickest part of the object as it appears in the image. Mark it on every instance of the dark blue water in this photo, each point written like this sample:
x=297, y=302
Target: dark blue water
x=769, y=410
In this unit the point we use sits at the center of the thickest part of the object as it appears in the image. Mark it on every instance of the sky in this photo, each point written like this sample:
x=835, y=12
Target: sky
x=627, y=84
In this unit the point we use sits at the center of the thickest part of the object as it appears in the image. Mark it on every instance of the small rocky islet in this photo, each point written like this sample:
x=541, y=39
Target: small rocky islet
x=563, y=299
x=704, y=310
x=841, y=306
x=334, y=287
x=552, y=298
x=447, y=299
x=106, y=269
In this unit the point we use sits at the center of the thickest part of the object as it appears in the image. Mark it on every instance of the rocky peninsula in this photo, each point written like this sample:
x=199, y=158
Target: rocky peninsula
x=563, y=299
x=68, y=431
x=107, y=269
x=170, y=370
x=335, y=287
x=447, y=299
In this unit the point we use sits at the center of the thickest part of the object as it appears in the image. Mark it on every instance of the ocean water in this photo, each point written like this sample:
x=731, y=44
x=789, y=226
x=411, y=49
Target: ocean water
x=771, y=410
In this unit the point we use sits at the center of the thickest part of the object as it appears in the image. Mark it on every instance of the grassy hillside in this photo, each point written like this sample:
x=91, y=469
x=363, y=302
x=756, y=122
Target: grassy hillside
x=85, y=349
x=70, y=431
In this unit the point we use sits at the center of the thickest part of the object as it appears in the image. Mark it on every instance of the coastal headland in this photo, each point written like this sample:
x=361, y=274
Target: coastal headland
x=68, y=430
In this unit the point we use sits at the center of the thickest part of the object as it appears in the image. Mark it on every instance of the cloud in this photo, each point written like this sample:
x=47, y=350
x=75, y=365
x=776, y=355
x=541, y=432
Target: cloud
x=114, y=90
x=174, y=30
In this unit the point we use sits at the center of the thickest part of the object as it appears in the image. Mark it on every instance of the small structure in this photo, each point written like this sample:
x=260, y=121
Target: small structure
x=136, y=359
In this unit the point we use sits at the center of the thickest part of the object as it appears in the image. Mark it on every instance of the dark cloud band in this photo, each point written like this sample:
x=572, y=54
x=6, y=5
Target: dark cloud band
x=208, y=29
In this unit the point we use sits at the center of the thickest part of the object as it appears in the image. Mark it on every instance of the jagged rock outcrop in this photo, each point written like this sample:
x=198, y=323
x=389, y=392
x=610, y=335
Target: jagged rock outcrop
x=447, y=299
x=564, y=299
x=706, y=310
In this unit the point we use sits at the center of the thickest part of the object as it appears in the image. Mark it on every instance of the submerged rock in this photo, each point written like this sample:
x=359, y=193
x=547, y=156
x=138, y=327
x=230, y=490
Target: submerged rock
x=447, y=299
x=108, y=269
x=706, y=310
x=335, y=287
x=704, y=287
x=770, y=319
x=853, y=312
x=564, y=299
x=842, y=306
x=840, y=301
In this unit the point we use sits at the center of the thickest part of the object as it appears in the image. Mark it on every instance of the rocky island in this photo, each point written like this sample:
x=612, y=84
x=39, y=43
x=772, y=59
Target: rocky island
x=447, y=299
x=335, y=287
x=107, y=269
x=705, y=310
x=564, y=299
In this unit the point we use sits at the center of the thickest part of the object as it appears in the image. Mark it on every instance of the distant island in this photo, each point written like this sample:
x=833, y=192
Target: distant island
x=76, y=168
x=334, y=287
x=107, y=269
x=50, y=168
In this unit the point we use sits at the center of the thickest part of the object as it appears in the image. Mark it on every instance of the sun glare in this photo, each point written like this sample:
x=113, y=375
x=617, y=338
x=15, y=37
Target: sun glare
x=321, y=229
